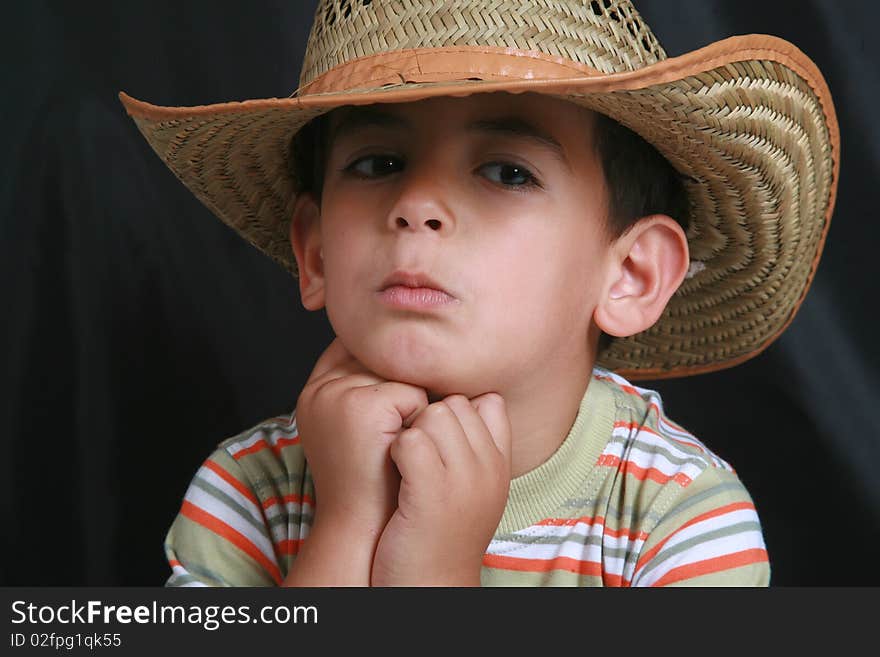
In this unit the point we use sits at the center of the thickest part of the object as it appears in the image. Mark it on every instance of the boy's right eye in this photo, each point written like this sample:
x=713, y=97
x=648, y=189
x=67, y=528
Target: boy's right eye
x=373, y=166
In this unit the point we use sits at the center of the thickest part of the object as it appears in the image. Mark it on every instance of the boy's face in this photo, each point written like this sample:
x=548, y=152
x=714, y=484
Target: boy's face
x=500, y=200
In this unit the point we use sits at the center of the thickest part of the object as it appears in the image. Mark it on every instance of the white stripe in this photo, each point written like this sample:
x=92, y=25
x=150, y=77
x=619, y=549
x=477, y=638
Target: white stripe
x=648, y=437
x=581, y=529
x=220, y=483
x=291, y=508
x=709, y=550
x=270, y=437
x=231, y=517
x=250, y=441
x=573, y=549
x=653, y=397
x=284, y=531
x=572, y=546
x=549, y=552
x=649, y=460
x=178, y=572
x=711, y=524
x=278, y=434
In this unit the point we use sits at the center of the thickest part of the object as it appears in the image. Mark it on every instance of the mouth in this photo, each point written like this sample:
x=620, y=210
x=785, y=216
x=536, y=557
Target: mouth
x=413, y=291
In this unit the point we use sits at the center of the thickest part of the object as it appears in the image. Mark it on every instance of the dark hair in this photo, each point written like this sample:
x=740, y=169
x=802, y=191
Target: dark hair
x=640, y=181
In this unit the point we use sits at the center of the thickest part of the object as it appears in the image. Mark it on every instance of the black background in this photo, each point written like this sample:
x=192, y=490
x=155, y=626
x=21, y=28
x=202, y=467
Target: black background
x=138, y=331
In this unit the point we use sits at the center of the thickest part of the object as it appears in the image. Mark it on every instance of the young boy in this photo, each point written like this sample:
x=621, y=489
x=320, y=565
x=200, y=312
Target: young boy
x=488, y=246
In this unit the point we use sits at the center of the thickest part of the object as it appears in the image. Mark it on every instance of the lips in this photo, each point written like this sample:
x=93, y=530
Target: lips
x=404, y=290
x=413, y=280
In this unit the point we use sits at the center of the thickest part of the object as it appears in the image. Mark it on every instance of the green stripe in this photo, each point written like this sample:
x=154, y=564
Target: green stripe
x=617, y=553
x=684, y=546
x=707, y=494
x=590, y=507
x=648, y=448
x=227, y=501
x=293, y=520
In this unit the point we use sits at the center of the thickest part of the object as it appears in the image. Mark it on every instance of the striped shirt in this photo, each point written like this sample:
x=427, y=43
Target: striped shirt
x=629, y=499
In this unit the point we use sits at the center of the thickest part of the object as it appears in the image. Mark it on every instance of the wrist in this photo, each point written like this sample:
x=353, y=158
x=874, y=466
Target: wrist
x=336, y=552
x=432, y=574
x=351, y=522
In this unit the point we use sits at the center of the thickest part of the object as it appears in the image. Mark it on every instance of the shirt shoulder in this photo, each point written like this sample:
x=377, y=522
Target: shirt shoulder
x=696, y=521
x=246, y=511
x=657, y=508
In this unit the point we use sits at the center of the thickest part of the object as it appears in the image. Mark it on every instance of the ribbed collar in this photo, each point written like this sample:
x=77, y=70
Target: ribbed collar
x=537, y=494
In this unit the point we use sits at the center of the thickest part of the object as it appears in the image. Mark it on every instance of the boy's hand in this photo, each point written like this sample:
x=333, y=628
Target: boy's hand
x=455, y=466
x=347, y=418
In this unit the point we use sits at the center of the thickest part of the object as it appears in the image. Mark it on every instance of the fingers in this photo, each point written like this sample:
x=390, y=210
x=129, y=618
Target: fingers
x=463, y=429
x=441, y=424
x=407, y=401
x=472, y=424
x=493, y=411
x=417, y=459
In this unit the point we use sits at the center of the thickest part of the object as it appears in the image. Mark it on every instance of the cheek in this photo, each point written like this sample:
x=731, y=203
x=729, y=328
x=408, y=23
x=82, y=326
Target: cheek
x=548, y=276
x=520, y=277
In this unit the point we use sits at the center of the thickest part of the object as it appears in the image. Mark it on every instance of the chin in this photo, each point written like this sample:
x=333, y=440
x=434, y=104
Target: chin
x=424, y=375
x=416, y=365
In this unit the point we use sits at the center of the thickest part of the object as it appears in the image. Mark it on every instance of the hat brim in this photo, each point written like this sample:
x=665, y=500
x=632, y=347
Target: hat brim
x=749, y=122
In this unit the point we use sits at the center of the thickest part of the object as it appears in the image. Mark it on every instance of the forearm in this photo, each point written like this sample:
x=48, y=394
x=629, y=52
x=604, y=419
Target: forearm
x=334, y=554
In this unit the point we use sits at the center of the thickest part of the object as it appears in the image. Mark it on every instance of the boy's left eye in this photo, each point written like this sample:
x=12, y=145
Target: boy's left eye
x=510, y=175
x=373, y=166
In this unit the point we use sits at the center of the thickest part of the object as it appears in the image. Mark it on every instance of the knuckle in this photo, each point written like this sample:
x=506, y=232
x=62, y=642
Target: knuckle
x=411, y=435
x=457, y=401
x=437, y=409
x=495, y=399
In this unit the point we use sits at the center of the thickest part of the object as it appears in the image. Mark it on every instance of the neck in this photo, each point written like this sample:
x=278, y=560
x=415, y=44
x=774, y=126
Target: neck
x=543, y=408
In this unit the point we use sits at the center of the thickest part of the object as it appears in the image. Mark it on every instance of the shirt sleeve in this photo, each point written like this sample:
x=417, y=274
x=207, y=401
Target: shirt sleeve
x=221, y=536
x=710, y=535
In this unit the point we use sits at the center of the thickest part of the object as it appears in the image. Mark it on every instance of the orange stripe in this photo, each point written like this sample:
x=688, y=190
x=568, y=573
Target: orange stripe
x=543, y=565
x=675, y=425
x=630, y=468
x=720, y=511
x=632, y=391
x=717, y=564
x=642, y=427
x=174, y=562
x=232, y=535
x=598, y=520
x=289, y=546
x=261, y=444
x=296, y=499
x=638, y=427
x=232, y=481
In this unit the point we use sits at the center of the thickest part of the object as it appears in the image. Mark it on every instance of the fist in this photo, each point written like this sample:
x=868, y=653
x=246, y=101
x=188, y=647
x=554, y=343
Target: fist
x=347, y=418
x=454, y=463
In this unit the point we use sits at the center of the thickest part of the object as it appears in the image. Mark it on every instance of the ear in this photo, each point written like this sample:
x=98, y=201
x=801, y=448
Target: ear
x=647, y=265
x=305, y=239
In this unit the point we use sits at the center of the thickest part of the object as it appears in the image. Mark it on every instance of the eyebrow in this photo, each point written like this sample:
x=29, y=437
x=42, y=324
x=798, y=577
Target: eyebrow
x=512, y=126
x=359, y=118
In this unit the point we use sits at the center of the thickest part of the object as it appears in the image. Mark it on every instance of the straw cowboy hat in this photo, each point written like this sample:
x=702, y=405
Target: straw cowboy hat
x=748, y=121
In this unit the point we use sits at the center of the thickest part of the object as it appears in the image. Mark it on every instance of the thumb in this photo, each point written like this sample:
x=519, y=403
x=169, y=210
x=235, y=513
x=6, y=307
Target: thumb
x=492, y=408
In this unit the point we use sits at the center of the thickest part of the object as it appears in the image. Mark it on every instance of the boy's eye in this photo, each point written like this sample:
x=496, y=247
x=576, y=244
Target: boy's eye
x=510, y=175
x=372, y=166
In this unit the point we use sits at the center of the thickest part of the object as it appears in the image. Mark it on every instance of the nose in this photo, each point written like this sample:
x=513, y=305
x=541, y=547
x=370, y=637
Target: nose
x=433, y=224
x=422, y=204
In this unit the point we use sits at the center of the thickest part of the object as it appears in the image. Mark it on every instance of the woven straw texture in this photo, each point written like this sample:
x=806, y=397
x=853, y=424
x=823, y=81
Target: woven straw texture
x=751, y=136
